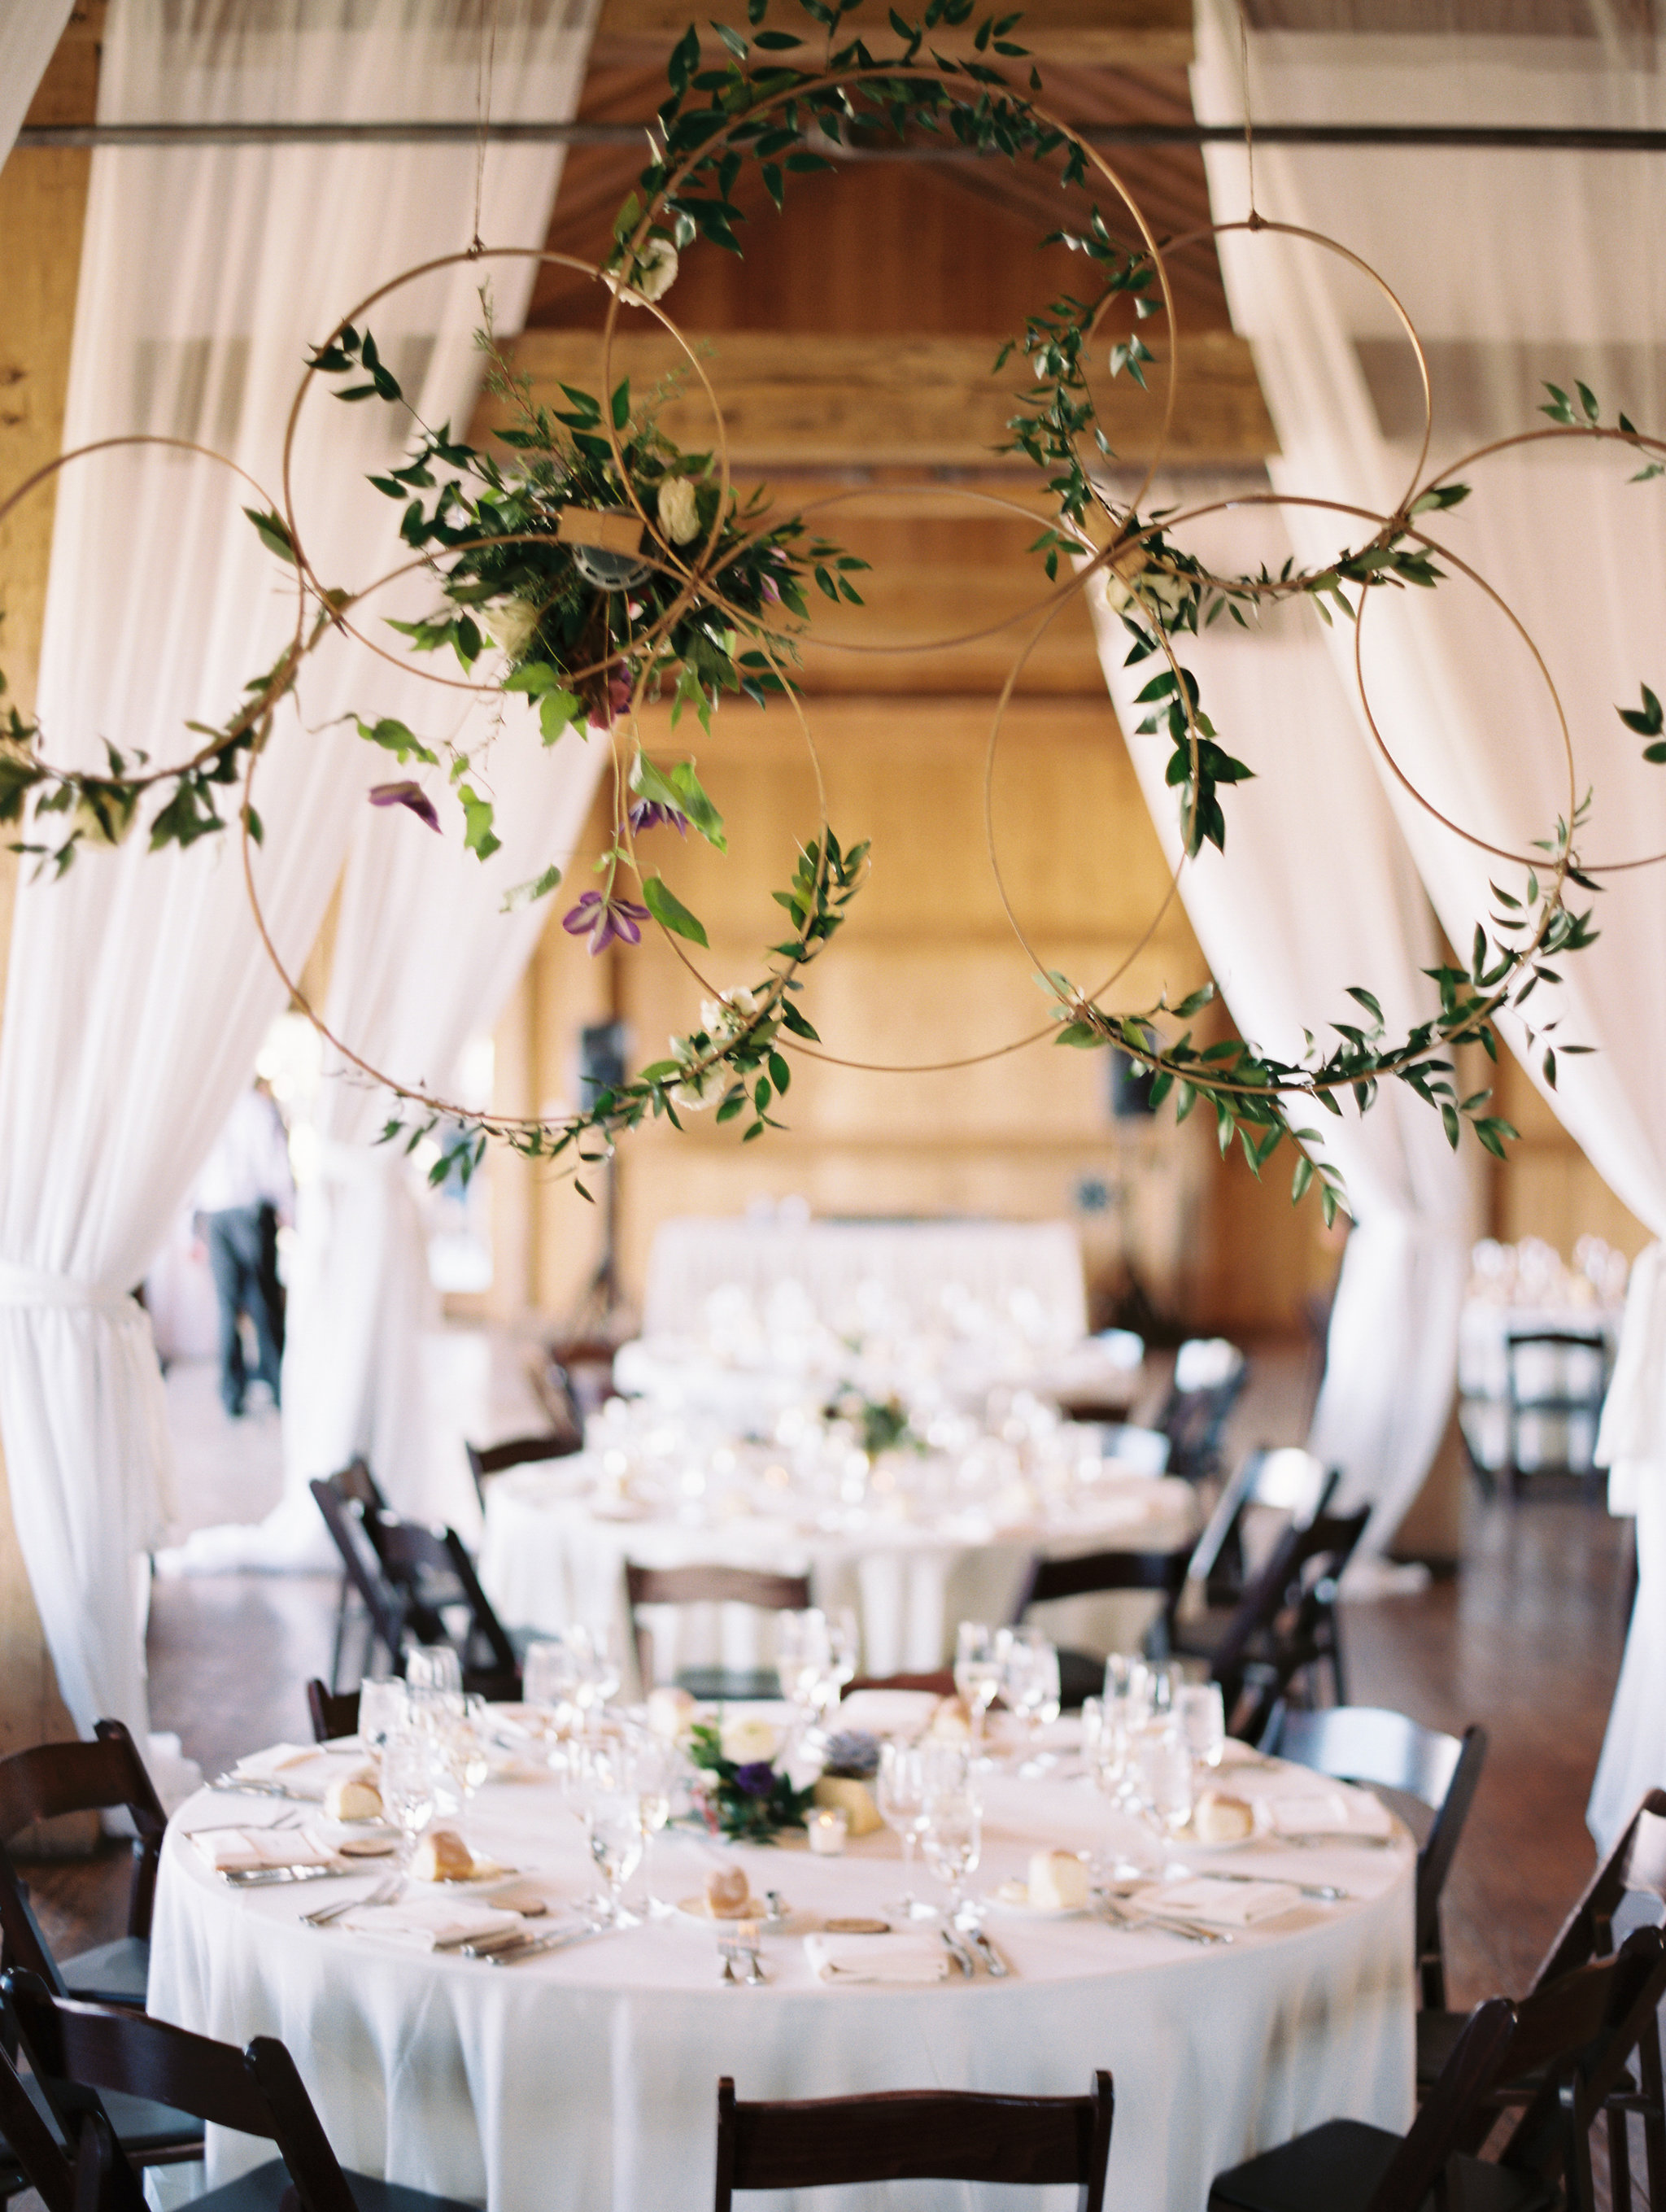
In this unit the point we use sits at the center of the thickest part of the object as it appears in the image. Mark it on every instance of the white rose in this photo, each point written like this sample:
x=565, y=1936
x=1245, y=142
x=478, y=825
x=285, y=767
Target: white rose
x=510, y=623
x=695, y=1092
x=679, y=517
x=656, y=272
x=747, y=1739
x=725, y=1016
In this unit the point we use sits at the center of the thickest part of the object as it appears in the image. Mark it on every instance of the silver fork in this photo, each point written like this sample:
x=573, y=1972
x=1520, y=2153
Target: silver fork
x=1327, y=1891
x=386, y=1890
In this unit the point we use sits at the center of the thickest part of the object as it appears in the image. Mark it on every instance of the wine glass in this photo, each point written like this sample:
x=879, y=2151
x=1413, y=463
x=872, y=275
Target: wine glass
x=383, y=1709
x=408, y=1789
x=433, y=1666
x=977, y=1673
x=613, y=1824
x=654, y=1766
x=844, y=1648
x=1200, y=1714
x=801, y=1656
x=1162, y=1783
x=1030, y=1682
x=950, y=1837
x=462, y=1754
x=900, y=1795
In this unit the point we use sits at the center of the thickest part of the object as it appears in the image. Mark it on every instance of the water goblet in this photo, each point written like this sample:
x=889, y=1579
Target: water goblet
x=977, y=1674
x=1163, y=1784
x=433, y=1666
x=1030, y=1683
x=1200, y=1713
x=653, y=1765
x=951, y=1837
x=900, y=1795
x=384, y=1708
x=613, y=1824
x=408, y=1796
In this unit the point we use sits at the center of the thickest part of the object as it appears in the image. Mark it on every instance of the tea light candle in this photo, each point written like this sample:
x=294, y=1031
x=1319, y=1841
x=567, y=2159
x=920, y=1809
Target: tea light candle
x=828, y=1829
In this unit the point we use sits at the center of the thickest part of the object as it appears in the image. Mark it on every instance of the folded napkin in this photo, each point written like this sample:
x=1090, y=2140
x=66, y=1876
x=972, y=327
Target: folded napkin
x=888, y=1712
x=1328, y=1813
x=303, y=1768
x=1222, y=1904
x=428, y=1924
x=240, y=1851
x=876, y=1959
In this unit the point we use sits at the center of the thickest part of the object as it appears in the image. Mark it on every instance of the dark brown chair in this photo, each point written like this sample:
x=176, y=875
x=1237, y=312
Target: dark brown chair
x=1282, y=1481
x=347, y=1516
x=711, y=1585
x=1576, y=2037
x=335, y=1712
x=1387, y=1751
x=435, y=1578
x=1194, y=1418
x=1566, y=1403
x=81, y=2053
x=354, y=1485
x=941, y=1684
x=1284, y=1627
x=1080, y=1675
x=31, y=2155
x=1636, y=1863
x=519, y=1451
x=909, y=2134
x=50, y=1779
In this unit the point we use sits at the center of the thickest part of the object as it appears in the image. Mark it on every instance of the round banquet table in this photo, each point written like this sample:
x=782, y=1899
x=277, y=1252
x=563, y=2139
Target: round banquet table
x=554, y=1547
x=584, y=2080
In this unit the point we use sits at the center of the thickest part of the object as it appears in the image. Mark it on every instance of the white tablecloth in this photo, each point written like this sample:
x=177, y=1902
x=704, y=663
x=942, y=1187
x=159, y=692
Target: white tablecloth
x=1022, y=1274
x=552, y=1557
x=584, y=2081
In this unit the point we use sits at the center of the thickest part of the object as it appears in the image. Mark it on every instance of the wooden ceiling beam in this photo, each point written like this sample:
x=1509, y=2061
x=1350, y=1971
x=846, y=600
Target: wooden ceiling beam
x=791, y=399
x=1090, y=34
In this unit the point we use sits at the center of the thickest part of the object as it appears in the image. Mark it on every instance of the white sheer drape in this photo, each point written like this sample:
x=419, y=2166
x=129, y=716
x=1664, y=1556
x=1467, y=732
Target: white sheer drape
x=1515, y=267
x=29, y=31
x=1314, y=892
x=138, y=992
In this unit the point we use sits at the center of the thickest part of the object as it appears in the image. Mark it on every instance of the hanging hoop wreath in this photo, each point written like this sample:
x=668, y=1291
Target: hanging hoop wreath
x=593, y=567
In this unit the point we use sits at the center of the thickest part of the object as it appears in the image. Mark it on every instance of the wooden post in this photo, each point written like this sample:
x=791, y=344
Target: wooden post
x=43, y=211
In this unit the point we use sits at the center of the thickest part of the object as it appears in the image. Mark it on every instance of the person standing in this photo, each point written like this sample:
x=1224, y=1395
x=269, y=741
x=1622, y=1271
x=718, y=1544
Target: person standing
x=244, y=1191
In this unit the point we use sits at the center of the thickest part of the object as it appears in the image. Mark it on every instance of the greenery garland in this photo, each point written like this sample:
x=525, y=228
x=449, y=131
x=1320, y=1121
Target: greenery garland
x=531, y=562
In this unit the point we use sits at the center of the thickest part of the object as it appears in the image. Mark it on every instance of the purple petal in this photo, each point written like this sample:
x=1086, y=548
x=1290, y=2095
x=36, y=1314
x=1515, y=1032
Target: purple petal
x=605, y=931
x=410, y=795
x=579, y=918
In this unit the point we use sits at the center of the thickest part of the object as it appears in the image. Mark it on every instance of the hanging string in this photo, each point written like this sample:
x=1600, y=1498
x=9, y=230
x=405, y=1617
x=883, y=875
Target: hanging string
x=483, y=110
x=1249, y=121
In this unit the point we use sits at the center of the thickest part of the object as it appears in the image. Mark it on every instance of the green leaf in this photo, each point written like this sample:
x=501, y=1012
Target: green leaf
x=273, y=532
x=479, y=836
x=529, y=894
x=1300, y=1180
x=669, y=911
x=394, y=738
x=621, y=406
x=780, y=1074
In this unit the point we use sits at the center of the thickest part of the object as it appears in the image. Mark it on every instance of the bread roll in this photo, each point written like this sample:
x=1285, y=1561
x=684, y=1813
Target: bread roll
x=1219, y=1819
x=1058, y=1881
x=442, y=1855
x=728, y=1892
x=353, y=1797
x=951, y=1723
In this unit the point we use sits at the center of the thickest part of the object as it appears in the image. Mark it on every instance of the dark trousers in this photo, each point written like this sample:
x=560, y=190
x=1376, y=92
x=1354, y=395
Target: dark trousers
x=242, y=1250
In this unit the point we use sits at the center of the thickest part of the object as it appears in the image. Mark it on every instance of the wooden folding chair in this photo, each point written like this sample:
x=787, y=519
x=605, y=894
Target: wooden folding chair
x=519, y=1451
x=434, y=1576
x=1576, y=2037
x=348, y=1519
x=83, y=2053
x=53, y=1778
x=1284, y=1626
x=354, y=1485
x=1388, y=1751
x=334, y=1712
x=907, y=2135
x=1080, y=1675
x=711, y=1585
x=31, y=2155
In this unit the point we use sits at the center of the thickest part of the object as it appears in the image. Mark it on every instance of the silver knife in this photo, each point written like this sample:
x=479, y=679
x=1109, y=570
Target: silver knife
x=529, y=1946
x=986, y=1950
x=958, y=1951
x=1327, y=1891
x=261, y=1877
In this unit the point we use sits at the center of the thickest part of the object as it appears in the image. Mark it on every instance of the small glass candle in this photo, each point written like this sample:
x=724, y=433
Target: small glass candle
x=828, y=1829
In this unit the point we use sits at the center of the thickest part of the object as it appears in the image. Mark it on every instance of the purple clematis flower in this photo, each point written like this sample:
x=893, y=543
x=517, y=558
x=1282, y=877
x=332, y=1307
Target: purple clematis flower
x=410, y=795
x=652, y=813
x=605, y=919
x=756, y=1779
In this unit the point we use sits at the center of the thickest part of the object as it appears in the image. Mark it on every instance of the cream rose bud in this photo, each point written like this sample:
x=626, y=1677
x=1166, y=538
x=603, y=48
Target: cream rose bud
x=679, y=514
x=656, y=272
x=747, y=1739
x=511, y=623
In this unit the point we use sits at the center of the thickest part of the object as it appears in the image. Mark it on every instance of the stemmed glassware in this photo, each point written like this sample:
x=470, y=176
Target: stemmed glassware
x=951, y=1826
x=611, y=1812
x=654, y=1766
x=1030, y=1683
x=978, y=1669
x=1162, y=1783
x=433, y=1666
x=1200, y=1713
x=408, y=1789
x=900, y=1795
x=384, y=1708
x=815, y=1657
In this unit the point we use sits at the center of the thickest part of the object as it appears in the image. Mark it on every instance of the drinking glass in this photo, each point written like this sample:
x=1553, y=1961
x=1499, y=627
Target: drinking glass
x=549, y=1676
x=900, y=1796
x=1030, y=1682
x=461, y=1755
x=604, y=1672
x=1163, y=1781
x=950, y=1837
x=1200, y=1713
x=801, y=1656
x=408, y=1789
x=613, y=1823
x=383, y=1709
x=653, y=1765
x=433, y=1666
x=977, y=1673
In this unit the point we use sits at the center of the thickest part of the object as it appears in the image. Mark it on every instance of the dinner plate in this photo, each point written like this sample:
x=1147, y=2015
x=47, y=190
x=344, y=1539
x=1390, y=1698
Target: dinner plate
x=1005, y=1899
x=695, y=1908
x=1188, y=1839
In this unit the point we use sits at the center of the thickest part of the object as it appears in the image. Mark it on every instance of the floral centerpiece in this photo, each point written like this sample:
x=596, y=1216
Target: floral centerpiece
x=740, y=1790
x=882, y=1423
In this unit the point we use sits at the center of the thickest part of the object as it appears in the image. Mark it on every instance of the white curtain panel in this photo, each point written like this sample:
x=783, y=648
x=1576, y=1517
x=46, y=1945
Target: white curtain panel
x=1315, y=891
x=29, y=31
x=1515, y=268
x=138, y=992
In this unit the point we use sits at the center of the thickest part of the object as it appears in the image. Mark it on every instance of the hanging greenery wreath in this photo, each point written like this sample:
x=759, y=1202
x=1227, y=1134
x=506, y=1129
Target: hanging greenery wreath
x=593, y=566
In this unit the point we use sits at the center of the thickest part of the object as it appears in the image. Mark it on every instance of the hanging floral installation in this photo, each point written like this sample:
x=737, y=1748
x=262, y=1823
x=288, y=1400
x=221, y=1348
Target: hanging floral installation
x=591, y=566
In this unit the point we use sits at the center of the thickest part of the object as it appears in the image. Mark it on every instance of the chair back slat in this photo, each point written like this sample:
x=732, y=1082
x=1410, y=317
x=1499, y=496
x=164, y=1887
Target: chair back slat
x=50, y=1779
x=33, y=2143
x=334, y=1712
x=1308, y=1558
x=1445, y=2123
x=1637, y=1862
x=347, y=1521
x=1580, y=2031
x=427, y=1566
x=713, y=1584
x=1052, y=1579
x=520, y=1451
x=915, y=2135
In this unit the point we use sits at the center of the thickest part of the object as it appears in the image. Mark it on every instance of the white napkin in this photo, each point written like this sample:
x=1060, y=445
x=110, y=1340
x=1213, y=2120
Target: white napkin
x=1223, y=1904
x=426, y=1923
x=887, y=1712
x=239, y=1851
x=876, y=1959
x=1328, y=1813
x=302, y=1768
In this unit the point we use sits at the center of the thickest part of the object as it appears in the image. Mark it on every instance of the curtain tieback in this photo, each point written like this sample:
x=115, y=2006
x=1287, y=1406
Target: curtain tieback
x=35, y=1287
